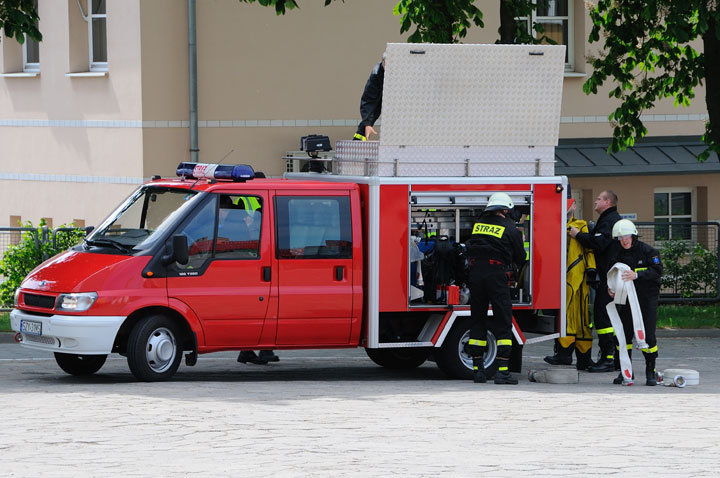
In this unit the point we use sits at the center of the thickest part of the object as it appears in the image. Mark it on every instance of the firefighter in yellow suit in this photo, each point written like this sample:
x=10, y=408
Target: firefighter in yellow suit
x=580, y=272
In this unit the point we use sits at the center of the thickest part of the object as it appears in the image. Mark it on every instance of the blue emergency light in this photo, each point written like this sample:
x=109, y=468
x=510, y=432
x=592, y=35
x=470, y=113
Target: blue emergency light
x=238, y=172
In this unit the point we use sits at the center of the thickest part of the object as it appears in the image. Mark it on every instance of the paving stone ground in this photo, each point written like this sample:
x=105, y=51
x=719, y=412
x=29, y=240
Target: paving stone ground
x=335, y=413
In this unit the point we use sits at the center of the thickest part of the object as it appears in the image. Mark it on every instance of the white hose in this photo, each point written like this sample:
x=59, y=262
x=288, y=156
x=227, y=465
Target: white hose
x=625, y=291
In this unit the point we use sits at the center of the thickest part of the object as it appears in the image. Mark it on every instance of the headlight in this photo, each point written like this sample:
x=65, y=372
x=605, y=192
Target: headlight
x=16, y=300
x=76, y=302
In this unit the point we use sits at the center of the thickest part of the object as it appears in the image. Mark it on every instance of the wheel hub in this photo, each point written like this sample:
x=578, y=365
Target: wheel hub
x=161, y=349
x=490, y=350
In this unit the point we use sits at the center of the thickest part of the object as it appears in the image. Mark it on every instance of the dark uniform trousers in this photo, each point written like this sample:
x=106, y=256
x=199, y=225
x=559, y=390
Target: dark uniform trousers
x=648, y=307
x=489, y=285
x=601, y=320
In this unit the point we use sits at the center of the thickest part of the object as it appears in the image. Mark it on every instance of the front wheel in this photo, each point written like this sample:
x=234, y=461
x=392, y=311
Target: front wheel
x=399, y=358
x=79, y=364
x=451, y=357
x=154, y=350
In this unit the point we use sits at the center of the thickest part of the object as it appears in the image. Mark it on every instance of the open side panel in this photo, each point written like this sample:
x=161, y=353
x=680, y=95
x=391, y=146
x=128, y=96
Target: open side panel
x=440, y=222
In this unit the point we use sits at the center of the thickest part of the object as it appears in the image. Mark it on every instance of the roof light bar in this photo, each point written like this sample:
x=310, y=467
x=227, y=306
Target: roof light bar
x=238, y=172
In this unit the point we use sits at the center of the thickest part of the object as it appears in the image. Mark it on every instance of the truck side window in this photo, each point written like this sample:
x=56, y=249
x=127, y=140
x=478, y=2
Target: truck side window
x=239, y=223
x=200, y=231
x=313, y=227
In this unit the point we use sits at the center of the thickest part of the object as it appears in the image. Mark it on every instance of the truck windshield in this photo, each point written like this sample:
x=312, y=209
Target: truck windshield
x=143, y=217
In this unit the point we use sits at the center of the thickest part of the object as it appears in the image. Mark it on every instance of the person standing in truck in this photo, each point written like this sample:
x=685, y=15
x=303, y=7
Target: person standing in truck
x=496, y=244
x=599, y=240
x=371, y=102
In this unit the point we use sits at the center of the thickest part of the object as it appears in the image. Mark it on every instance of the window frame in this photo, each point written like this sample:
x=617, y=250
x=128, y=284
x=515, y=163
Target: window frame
x=95, y=65
x=670, y=216
x=535, y=18
x=32, y=67
x=345, y=227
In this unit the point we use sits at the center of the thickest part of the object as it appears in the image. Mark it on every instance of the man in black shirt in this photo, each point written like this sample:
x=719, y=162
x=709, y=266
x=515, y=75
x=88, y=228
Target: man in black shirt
x=599, y=239
x=495, y=245
x=371, y=102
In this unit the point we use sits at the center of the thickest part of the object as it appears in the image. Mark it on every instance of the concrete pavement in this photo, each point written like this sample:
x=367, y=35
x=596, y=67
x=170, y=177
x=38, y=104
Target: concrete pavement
x=329, y=413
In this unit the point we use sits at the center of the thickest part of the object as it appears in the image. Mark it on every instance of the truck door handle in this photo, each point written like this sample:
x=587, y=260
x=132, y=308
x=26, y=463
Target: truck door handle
x=339, y=273
x=266, y=274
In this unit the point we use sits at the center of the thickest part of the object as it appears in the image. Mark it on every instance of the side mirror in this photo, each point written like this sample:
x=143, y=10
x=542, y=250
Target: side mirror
x=89, y=229
x=179, y=252
x=180, y=249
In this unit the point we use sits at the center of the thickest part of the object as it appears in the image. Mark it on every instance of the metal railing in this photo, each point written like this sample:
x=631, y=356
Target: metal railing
x=690, y=252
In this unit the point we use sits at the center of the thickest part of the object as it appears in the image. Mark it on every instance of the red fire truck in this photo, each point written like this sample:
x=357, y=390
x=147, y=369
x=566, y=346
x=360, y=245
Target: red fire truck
x=218, y=260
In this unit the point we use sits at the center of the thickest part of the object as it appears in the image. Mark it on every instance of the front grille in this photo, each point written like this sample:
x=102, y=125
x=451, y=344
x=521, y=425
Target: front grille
x=39, y=338
x=44, y=301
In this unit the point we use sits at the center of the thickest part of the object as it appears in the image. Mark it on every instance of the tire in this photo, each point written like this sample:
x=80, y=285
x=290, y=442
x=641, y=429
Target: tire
x=400, y=358
x=79, y=364
x=451, y=357
x=154, y=349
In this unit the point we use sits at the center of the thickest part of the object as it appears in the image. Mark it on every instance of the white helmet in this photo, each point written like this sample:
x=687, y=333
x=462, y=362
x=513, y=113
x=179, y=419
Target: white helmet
x=624, y=227
x=498, y=202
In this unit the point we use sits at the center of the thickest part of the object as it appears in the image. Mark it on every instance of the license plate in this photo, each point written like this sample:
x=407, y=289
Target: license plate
x=31, y=327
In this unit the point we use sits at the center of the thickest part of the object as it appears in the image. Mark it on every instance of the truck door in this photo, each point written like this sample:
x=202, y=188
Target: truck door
x=224, y=280
x=314, y=252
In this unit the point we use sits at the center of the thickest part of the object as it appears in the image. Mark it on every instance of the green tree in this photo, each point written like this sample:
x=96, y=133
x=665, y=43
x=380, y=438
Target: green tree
x=648, y=55
x=447, y=21
x=18, y=17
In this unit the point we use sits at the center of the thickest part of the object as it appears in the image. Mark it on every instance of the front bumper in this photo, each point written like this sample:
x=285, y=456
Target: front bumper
x=72, y=334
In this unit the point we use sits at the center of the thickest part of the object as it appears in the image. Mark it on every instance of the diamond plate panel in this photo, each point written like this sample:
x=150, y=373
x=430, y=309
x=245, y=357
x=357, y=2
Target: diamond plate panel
x=488, y=95
x=356, y=158
x=367, y=158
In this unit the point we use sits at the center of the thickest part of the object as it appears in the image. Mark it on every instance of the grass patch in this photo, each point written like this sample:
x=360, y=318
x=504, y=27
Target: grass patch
x=689, y=316
x=5, y=322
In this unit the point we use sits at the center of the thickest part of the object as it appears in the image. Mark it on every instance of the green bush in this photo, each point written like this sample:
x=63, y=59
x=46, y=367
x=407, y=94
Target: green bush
x=21, y=258
x=689, y=272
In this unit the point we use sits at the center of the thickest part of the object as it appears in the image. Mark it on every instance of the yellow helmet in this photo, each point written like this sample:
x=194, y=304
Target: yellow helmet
x=624, y=227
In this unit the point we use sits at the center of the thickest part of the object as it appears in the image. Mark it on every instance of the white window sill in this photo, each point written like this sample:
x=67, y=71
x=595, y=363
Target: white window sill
x=21, y=74
x=574, y=74
x=87, y=74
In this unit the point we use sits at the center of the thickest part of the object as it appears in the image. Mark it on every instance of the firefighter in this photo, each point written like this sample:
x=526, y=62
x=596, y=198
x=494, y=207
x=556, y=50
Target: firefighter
x=647, y=269
x=495, y=245
x=599, y=240
x=581, y=272
x=371, y=102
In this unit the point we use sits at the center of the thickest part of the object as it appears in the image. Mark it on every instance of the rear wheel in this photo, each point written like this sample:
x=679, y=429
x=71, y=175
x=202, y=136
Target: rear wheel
x=400, y=358
x=79, y=364
x=451, y=357
x=154, y=350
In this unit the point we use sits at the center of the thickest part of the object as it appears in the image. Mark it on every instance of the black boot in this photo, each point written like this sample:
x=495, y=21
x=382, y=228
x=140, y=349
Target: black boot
x=584, y=360
x=602, y=366
x=563, y=355
x=650, y=372
x=250, y=356
x=479, y=370
x=503, y=377
x=605, y=362
x=268, y=356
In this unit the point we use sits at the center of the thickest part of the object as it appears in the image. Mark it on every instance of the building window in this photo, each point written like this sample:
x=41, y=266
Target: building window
x=673, y=206
x=97, y=35
x=555, y=17
x=31, y=50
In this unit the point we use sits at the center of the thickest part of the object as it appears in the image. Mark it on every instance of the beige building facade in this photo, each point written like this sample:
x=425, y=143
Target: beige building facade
x=106, y=104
